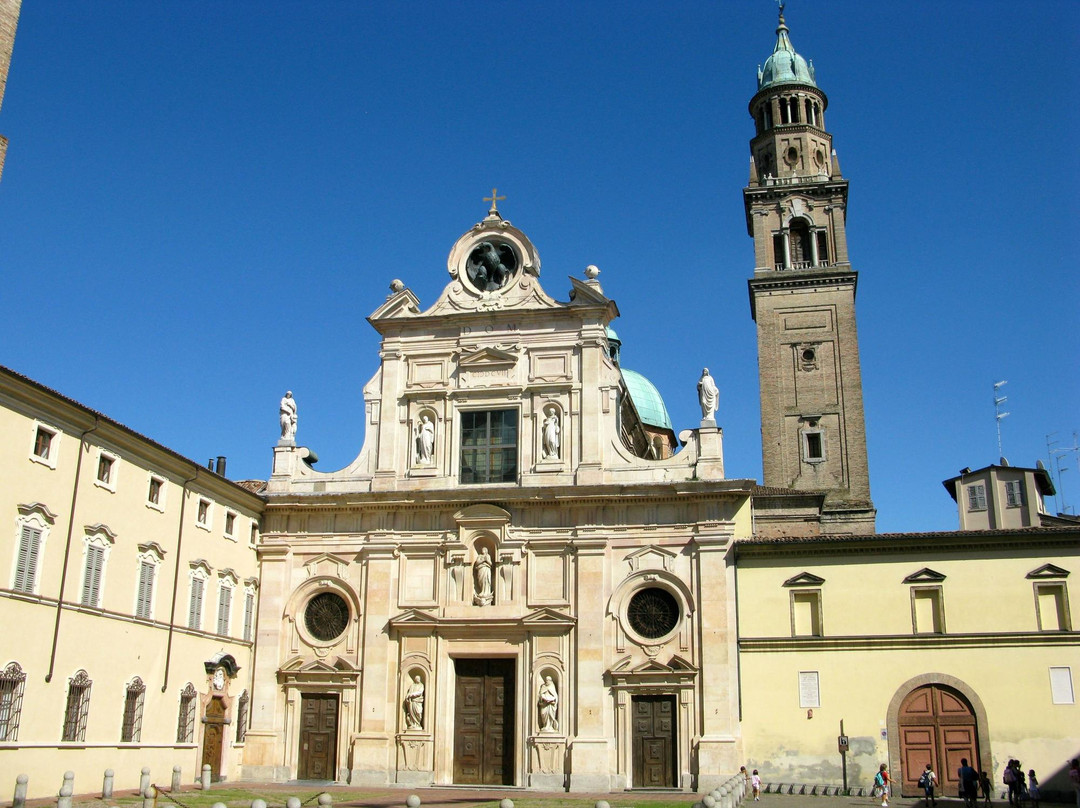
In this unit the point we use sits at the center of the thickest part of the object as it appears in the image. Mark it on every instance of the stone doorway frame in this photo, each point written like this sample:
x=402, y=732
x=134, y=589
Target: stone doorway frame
x=317, y=678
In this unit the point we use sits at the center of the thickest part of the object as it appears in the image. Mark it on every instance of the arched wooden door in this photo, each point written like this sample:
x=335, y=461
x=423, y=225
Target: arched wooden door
x=937, y=725
x=214, y=736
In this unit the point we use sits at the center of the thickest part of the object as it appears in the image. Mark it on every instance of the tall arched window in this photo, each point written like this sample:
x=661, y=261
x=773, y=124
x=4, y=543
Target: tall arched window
x=185, y=725
x=131, y=726
x=242, y=716
x=12, y=683
x=78, y=707
x=801, y=251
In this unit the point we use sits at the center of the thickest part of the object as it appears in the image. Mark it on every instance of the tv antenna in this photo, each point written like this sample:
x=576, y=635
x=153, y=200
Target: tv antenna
x=998, y=414
x=1057, y=464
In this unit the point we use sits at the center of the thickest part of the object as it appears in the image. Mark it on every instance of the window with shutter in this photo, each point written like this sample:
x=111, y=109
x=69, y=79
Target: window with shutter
x=977, y=497
x=145, y=597
x=249, y=615
x=95, y=561
x=1014, y=494
x=224, y=607
x=26, y=565
x=195, y=607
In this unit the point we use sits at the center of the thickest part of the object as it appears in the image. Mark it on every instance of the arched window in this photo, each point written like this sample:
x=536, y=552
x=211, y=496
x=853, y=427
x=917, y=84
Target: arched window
x=131, y=727
x=185, y=725
x=12, y=683
x=242, y=716
x=78, y=707
x=810, y=117
x=799, y=239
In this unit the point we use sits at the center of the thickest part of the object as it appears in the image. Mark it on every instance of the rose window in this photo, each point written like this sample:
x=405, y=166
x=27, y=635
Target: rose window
x=653, y=613
x=326, y=616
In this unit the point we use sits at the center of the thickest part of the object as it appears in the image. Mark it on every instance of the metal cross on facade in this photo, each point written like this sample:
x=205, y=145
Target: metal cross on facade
x=494, y=200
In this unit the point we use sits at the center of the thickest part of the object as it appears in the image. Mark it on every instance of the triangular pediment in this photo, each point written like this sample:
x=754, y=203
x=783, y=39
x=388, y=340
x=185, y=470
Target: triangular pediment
x=326, y=564
x=804, y=579
x=1049, y=571
x=413, y=617
x=548, y=617
x=651, y=558
x=487, y=357
x=400, y=304
x=925, y=576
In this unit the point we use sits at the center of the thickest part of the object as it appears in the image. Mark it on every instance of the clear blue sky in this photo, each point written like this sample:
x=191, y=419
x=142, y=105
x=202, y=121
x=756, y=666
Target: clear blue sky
x=203, y=201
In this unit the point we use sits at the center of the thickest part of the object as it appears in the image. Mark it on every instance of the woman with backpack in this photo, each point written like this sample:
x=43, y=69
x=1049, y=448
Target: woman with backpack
x=927, y=782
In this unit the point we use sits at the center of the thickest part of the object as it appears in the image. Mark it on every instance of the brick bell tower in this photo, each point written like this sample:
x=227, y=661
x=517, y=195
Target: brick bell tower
x=802, y=296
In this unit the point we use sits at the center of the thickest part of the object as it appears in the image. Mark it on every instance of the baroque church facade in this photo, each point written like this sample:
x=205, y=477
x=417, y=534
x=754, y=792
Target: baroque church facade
x=527, y=577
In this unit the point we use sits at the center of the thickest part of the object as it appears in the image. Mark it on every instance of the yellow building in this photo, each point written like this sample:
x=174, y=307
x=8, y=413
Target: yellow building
x=128, y=579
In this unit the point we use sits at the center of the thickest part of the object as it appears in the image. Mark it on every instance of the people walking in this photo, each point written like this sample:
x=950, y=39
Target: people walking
x=928, y=782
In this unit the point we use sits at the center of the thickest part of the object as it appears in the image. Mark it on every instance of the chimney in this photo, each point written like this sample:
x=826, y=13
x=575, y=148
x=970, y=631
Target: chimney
x=210, y=464
x=220, y=465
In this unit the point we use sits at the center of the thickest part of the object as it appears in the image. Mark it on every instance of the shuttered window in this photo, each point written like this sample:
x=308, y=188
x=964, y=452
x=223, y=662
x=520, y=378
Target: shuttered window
x=224, y=607
x=145, y=597
x=195, y=607
x=26, y=565
x=95, y=561
x=249, y=615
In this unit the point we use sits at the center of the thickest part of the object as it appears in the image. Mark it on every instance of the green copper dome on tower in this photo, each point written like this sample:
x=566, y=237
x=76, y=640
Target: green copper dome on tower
x=785, y=66
x=647, y=400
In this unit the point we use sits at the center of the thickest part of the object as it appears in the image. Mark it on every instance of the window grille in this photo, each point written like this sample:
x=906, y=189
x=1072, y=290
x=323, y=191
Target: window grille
x=242, y=716
x=12, y=684
x=185, y=726
x=131, y=729
x=78, y=707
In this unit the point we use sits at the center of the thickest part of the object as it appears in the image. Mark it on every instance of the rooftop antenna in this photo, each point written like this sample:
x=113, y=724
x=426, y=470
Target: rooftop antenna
x=1057, y=463
x=998, y=414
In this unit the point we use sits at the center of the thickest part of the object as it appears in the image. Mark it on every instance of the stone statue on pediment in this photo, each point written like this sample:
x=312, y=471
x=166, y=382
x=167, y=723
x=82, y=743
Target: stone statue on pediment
x=708, y=396
x=288, y=416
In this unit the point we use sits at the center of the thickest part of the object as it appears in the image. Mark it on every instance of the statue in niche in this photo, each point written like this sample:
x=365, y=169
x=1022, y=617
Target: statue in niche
x=424, y=439
x=490, y=266
x=548, y=702
x=482, y=572
x=287, y=416
x=708, y=395
x=551, y=434
x=414, y=704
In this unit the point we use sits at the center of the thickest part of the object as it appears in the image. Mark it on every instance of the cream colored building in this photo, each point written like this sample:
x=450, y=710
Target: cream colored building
x=127, y=579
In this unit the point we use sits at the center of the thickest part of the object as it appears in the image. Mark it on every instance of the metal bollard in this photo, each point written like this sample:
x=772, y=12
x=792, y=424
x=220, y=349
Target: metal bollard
x=144, y=779
x=21, y=783
x=107, y=784
x=205, y=782
x=412, y=801
x=66, y=790
x=176, y=773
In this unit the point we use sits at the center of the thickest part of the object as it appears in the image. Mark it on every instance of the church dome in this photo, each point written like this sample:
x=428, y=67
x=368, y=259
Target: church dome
x=785, y=66
x=647, y=400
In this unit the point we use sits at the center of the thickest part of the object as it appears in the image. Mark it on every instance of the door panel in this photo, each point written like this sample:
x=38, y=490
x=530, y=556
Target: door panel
x=484, y=722
x=318, y=737
x=937, y=726
x=653, y=728
x=213, y=737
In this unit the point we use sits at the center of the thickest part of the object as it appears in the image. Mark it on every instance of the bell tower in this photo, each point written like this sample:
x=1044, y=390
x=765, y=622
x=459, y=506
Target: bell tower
x=802, y=296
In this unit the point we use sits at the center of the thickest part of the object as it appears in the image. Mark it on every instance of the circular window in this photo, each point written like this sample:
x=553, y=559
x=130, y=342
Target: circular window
x=792, y=156
x=819, y=157
x=326, y=616
x=653, y=612
x=808, y=355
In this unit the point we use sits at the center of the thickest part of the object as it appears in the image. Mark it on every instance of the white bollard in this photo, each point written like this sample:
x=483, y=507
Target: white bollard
x=205, y=782
x=257, y=803
x=148, y=797
x=176, y=774
x=21, y=784
x=602, y=804
x=66, y=790
x=325, y=800
x=107, y=784
x=506, y=803
x=412, y=801
x=292, y=802
x=144, y=779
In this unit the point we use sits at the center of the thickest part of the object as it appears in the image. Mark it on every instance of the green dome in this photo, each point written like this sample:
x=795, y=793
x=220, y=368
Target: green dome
x=611, y=335
x=646, y=398
x=785, y=66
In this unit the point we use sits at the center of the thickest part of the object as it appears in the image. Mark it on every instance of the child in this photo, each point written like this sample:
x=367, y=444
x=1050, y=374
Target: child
x=1033, y=789
x=755, y=784
x=927, y=781
x=984, y=784
x=881, y=783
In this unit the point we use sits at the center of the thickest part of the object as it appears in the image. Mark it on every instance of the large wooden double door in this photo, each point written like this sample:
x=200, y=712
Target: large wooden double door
x=318, y=736
x=937, y=726
x=484, y=721
x=654, y=741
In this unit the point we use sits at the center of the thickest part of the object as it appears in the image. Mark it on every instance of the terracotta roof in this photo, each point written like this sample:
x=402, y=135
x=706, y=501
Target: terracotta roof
x=254, y=486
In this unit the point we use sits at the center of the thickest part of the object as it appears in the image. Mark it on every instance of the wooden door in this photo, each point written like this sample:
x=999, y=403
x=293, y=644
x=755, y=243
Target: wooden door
x=213, y=736
x=484, y=722
x=654, y=741
x=937, y=726
x=318, y=737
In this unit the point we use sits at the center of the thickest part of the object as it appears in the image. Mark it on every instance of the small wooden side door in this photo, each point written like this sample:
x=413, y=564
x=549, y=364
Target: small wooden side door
x=654, y=741
x=214, y=737
x=318, y=737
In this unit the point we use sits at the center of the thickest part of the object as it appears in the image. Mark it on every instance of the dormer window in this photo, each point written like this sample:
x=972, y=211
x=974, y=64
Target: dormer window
x=976, y=497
